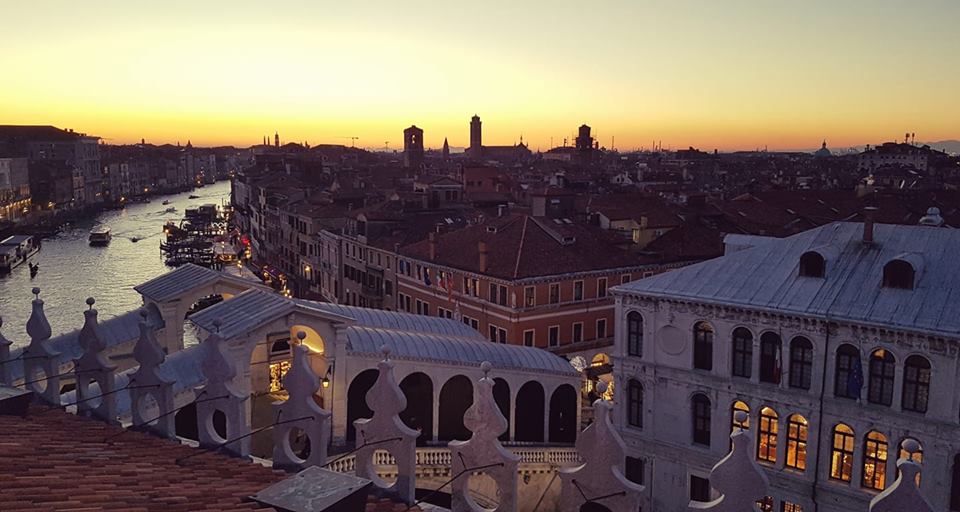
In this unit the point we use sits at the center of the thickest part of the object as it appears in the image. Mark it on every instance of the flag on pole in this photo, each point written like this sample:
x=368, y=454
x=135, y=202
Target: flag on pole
x=777, y=364
x=855, y=379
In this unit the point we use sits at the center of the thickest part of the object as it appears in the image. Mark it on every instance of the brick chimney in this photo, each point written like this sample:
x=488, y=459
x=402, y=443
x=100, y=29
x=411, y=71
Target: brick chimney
x=432, y=237
x=482, y=248
x=868, y=218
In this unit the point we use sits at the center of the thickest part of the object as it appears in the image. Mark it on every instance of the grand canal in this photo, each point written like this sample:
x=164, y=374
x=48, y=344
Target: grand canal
x=71, y=270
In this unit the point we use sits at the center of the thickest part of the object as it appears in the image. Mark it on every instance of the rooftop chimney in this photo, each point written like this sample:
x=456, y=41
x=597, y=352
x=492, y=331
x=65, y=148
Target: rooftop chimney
x=482, y=248
x=432, y=237
x=868, y=217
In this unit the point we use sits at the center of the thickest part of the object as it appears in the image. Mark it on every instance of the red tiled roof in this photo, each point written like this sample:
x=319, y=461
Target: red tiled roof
x=523, y=246
x=52, y=460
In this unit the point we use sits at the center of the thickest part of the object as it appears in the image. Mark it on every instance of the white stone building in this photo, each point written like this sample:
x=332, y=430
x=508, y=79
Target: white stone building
x=840, y=342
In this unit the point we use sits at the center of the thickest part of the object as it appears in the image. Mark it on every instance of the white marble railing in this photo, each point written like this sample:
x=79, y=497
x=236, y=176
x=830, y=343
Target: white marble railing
x=556, y=456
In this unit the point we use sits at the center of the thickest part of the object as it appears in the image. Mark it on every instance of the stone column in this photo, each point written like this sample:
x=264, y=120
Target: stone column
x=601, y=478
x=737, y=477
x=151, y=356
x=302, y=384
x=41, y=363
x=386, y=431
x=483, y=453
x=6, y=370
x=222, y=396
x=903, y=494
x=100, y=402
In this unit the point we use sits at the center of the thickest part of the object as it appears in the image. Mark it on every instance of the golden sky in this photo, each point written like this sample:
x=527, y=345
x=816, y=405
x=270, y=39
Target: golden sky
x=727, y=74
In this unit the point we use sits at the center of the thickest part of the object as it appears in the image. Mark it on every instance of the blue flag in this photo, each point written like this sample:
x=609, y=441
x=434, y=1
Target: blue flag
x=426, y=276
x=855, y=379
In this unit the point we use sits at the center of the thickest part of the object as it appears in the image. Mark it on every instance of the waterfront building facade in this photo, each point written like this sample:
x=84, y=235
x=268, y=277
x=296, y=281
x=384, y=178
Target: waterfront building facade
x=840, y=344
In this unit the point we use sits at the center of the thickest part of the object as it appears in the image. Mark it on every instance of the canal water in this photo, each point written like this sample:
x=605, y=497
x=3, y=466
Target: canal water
x=71, y=270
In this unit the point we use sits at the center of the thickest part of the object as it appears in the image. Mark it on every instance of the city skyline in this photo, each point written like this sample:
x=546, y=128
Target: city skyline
x=744, y=75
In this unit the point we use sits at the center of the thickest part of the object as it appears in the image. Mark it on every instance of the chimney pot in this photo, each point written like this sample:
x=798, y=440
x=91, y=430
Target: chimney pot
x=432, y=237
x=868, y=219
x=482, y=249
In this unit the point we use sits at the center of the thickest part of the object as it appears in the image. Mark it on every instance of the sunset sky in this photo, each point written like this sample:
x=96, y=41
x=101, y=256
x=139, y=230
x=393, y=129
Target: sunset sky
x=725, y=74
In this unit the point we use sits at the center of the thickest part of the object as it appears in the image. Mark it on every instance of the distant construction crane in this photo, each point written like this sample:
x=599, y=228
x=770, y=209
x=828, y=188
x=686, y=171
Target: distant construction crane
x=353, y=140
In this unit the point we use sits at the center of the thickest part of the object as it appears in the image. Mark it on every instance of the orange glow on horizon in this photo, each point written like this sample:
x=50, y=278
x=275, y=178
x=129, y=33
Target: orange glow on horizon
x=742, y=75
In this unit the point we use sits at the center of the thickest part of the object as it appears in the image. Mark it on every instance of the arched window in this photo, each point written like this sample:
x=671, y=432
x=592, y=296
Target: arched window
x=634, y=334
x=916, y=384
x=848, y=377
x=767, y=441
x=742, y=352
x=812, y=264
x=841, y=453
x=703, y=346
x=700, y=408
x=875, y=461
x=739, y=406
x=801, y=363
x=882, y=372
x=635, y=404
x=797, y=442
x=770, y=366
x=898, y=274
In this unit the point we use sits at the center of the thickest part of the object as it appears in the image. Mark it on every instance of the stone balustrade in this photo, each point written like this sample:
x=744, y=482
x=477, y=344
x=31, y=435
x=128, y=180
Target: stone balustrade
x=591, y=475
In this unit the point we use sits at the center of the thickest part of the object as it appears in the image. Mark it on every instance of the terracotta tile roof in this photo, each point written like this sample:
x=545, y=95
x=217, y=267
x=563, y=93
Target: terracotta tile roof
x=524, y=246
x=633, y=206
x=52, y=460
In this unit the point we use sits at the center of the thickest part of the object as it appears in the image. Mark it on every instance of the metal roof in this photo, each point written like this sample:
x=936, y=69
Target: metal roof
x=179, y=281
x=766, y=277
x=400, y=321
x=409, y=336
x=15, y=239
x=243, y=313
x=113, y=331
x=460, y=351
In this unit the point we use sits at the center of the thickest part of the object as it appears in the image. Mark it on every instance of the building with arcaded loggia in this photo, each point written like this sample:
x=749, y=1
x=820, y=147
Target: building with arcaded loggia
x=840, y=343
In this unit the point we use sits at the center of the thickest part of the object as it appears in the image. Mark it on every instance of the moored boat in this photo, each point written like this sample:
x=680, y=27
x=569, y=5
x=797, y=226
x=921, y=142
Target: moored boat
x=15, y=250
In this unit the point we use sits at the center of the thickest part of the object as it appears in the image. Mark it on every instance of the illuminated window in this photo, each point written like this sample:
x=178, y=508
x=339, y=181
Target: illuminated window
x=801, y=363
x=767, y=442
x=739, y=406
x=786, y=506
x=277, y=371
x=703, y=346
x=875, y=461
x=742, y=352
x=634, y=334
x=765, y=504
x=847, y=377
x=916, y=384
x=841, y=457
x=797, y=442
x=701, y=419
x=882, y=371
x=635, y=404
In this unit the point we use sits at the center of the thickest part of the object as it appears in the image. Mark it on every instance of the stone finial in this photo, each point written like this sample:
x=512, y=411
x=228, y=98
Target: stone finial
x=387, y=400
x=6, y=372
x=739, y=479
x=220, y=394
x=41, y=363
x=149, y=383
x=302, y=385
x=92, y=366
x=301, y=335
x=487, y=423
x=903, y=494
x=602, y=473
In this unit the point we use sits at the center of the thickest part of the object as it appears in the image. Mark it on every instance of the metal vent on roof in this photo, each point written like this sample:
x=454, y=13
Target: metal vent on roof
x=557, y=221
